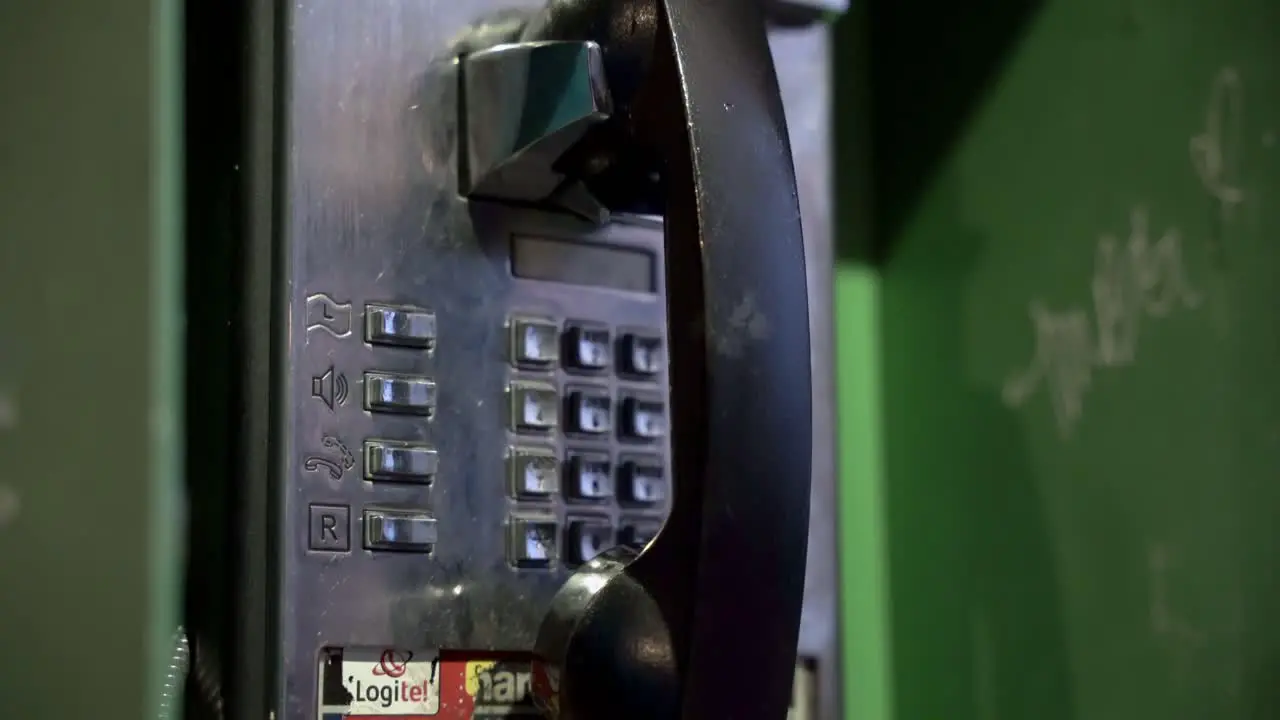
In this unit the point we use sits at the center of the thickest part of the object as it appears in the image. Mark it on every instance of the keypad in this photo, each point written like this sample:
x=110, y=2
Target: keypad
x=587, y=431
x=576, y=399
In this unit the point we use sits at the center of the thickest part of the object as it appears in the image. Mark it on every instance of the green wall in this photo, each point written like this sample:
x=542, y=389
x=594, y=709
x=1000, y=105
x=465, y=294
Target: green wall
x=1060, y=428
x=90, y=306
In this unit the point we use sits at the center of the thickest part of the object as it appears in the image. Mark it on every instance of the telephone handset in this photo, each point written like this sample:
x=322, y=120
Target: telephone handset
x=674, y=629
x=539, y=375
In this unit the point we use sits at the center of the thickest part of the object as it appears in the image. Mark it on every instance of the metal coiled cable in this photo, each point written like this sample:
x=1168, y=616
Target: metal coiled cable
x=190, y=664
x=175, y=677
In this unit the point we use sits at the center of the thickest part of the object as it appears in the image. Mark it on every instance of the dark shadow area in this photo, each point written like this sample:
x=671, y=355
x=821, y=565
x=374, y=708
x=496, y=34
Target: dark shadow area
x=916, y=72
x=215, y=165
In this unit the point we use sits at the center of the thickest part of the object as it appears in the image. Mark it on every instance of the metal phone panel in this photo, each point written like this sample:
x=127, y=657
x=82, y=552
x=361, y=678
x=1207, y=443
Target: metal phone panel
x=416, y=406
x=398, y=507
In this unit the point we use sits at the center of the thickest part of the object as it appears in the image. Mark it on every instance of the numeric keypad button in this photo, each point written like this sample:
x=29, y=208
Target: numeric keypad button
x=642, y=355
x=532, y=541
x=643, y=419
x=590, y=411
x=590, y=476
x=588, y=348
x=535, y=342
x=587, y=538
x=638, y=533
x=533, y=473
x=534, y=406
x=643, y=482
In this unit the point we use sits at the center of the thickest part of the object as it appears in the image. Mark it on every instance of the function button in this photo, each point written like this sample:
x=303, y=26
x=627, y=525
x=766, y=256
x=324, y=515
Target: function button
x=410, y=394
x=588, y=347
x=392, y=461
x=644, y=419
x=404, y=530
x=535, y=342
x=533, y=473
x=642, y=354
x=639, y=533
x=590, y=476
x=330, y=528
x=587, y=538
x=644, y=481
x=399, y=325
x=535, y=407
x=590, y=411
x=531, y=541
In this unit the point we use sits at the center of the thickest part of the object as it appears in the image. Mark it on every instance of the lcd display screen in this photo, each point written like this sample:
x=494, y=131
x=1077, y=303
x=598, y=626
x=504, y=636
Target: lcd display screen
x=580, y=263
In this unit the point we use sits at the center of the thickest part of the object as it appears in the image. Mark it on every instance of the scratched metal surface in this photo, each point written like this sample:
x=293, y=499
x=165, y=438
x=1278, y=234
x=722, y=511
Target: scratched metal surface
x=371, y=216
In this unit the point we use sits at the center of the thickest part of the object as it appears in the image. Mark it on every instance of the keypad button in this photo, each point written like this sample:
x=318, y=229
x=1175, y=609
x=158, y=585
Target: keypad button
x=642, y=355
x=399, y=325
x=590, y=476
x=405, y=530
x=533, y=472
x=586, y=539
x=391, y=393
x=644, y=419
x=639, y=533
x=532, y=541
x=535, y=407
x=535, y=342
x=390, y=461
x=644, y=481
x=589, y=348
x=590, y=411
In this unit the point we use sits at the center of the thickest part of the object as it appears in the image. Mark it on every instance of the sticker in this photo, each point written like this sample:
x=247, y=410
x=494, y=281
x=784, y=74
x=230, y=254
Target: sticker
x=379, y=683
x=492, y=688
x=383, y=684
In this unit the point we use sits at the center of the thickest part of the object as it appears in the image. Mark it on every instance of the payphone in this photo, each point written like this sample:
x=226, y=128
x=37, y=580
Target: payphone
x=523, y=403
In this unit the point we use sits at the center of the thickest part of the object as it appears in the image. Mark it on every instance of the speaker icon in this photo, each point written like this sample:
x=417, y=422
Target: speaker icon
x=331, y=388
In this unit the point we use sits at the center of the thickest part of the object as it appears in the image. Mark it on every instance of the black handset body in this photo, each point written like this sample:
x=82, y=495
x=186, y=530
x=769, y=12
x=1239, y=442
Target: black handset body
x=482, y=373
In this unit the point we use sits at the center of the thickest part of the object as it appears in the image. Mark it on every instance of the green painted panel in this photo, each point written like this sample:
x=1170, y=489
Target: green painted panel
x=90, y=355
x=1076, y=221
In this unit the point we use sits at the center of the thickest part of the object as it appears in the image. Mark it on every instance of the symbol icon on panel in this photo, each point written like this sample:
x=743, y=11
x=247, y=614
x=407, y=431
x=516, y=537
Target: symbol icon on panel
x=392, y=664
x=336, y=460
x=325, y=313
x=331, y=388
